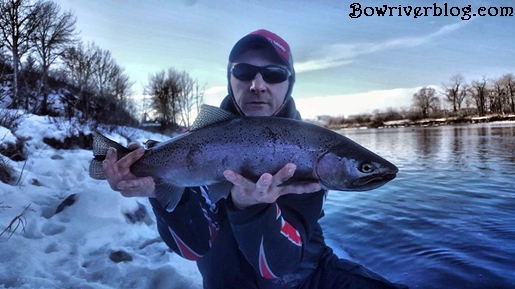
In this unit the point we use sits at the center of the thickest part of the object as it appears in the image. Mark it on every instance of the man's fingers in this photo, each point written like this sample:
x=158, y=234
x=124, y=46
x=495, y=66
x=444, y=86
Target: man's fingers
x=141, y=187
x=110, y=161
x=110, y=168
x=236, y=179
x=298, y=188
x=245, y=193
x=284, y=174
x=263, y=184
x=134, y=146
x=130, y=158
x=301, y=188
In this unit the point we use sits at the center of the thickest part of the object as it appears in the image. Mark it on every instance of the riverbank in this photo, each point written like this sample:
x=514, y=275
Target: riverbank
x=429, y=121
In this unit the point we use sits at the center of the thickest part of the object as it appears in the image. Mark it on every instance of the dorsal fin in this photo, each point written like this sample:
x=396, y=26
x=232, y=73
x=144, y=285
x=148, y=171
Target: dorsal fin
x=209, y=115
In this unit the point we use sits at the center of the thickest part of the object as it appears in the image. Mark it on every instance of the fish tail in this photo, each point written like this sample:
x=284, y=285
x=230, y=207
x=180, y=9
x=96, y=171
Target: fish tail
x=100, y=146
x=95, y=170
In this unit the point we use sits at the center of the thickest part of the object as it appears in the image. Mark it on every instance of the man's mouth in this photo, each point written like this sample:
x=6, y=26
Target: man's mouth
x=258, y=103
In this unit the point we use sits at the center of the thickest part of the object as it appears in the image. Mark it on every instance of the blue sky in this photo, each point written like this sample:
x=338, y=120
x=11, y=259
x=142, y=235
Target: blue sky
x=344, y=65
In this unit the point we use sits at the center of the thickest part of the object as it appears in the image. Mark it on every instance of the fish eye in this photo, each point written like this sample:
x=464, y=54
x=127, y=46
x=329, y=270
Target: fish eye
x=366, y=168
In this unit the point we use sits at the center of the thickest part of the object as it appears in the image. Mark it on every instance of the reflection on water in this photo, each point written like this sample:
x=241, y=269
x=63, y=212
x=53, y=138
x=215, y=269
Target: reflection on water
x=447, y=220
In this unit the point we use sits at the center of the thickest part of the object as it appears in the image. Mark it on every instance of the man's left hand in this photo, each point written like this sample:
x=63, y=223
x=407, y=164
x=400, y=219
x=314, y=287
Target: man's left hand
x=246, y=193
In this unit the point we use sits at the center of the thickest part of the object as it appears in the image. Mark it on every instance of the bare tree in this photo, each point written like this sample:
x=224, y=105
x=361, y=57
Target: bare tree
x=465, y=96
x=161, y=97
x=452, y=92
x=198, y=95
x=184, y=99
x=79, y=61
x=120, y=88
x=111, y=82
x=507, y=82
x=479, y=93
x=190, y=98
x=105, y=71
x=498, y=96
x=469, y=99
x=18, y=20
x=79, y=66
x=54, y=33
x=426, y=101
x=4, y=67
x=173, y=96
x=100, y=83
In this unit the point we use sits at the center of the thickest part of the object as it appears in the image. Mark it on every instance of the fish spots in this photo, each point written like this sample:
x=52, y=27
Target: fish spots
x=271, y=135
x=226, y=162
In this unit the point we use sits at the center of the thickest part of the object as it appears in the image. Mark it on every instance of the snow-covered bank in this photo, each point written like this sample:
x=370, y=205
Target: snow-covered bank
x=71, y=249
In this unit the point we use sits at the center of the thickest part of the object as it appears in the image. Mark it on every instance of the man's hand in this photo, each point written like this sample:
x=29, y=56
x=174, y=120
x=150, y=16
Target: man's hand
x=119, y=175
x=245, y=193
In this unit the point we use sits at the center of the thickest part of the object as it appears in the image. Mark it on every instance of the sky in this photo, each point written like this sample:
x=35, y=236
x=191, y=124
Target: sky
x=345, y=65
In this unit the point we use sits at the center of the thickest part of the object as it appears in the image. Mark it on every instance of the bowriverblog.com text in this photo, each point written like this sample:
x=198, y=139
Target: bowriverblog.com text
x=435, y=10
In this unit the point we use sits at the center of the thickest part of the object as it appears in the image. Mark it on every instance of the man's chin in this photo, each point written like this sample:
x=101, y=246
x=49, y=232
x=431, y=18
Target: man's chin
x=258, y=110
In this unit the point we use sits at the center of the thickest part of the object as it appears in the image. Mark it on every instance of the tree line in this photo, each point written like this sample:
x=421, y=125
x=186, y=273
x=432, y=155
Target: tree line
x=479, y=97
x=49, y=70
x=454, y=98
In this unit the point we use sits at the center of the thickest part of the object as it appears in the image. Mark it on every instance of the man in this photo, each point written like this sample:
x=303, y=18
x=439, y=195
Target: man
x=262, y=235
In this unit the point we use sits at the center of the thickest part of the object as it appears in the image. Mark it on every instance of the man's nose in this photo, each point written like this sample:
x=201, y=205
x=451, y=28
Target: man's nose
x=258, y=84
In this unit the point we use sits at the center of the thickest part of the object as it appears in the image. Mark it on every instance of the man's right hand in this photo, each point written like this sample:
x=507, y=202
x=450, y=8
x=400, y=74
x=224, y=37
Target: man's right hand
x=119, y=175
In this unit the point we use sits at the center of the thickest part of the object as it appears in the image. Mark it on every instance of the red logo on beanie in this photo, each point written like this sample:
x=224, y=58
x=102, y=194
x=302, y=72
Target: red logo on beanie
x=279, y=44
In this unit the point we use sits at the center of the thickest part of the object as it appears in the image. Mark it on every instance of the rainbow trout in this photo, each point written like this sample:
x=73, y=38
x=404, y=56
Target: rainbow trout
x=251, y=146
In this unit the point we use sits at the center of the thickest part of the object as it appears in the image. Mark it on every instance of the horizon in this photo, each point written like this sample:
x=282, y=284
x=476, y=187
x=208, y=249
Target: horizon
x=344, y=65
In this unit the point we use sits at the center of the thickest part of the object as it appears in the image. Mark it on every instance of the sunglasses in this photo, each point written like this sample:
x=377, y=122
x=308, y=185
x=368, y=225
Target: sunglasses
x=270, y=73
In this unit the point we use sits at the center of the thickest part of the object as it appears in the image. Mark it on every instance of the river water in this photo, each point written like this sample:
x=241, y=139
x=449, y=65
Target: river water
x=447, y=220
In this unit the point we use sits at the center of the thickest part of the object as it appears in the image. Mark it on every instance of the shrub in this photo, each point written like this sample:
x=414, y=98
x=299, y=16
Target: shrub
x=10, y=118
x=6, y=171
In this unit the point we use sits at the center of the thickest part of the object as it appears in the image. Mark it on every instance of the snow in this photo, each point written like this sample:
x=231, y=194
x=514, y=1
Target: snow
x=6, y=137
x=71, y=249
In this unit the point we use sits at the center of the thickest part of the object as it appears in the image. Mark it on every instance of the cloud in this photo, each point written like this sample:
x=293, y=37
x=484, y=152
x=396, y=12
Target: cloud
x=214, y=95
x=357, y=103
x=343, y=54
x=320, y=64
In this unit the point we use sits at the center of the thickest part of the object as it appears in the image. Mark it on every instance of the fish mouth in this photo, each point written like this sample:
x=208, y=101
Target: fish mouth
x=372, y=182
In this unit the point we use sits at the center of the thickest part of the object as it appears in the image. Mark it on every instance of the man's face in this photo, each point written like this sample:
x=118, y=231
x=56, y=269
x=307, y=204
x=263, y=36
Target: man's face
x=257, y=97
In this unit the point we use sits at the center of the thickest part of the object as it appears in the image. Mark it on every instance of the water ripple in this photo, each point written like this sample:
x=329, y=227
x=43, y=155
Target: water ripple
x=449, y=216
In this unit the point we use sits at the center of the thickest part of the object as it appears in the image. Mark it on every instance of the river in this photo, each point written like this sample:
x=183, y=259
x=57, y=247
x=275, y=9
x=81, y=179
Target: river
x=447, y=220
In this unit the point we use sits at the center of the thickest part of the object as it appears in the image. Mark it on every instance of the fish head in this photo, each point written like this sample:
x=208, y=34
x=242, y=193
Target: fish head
x=345, y=168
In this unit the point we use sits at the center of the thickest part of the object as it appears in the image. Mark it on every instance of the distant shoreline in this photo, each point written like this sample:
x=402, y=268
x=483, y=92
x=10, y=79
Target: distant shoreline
x=429, y=122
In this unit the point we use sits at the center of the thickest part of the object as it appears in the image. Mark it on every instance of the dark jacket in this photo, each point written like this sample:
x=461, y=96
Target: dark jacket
x=265, y=246
x=274, y=245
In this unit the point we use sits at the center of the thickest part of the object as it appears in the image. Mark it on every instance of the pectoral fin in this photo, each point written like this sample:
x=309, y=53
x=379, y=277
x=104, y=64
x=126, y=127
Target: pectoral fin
x=168, y=195
x=219, y=190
